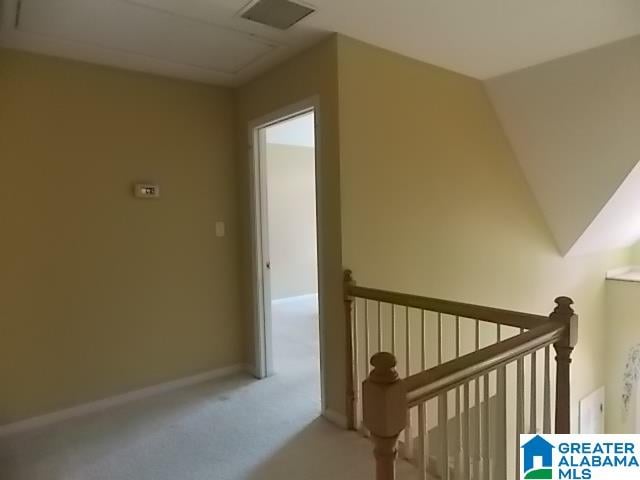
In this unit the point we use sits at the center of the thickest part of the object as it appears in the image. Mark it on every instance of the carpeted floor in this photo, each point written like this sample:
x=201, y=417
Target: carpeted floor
x=235, y=429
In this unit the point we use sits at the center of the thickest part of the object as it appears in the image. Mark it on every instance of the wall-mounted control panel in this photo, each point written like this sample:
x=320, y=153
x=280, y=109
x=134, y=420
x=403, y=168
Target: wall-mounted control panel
x=146, y=190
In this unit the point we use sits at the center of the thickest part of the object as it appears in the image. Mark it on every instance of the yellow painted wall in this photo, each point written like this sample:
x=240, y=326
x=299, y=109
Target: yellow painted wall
x=419, y=191
x=635, y=254
x=102, y=293
x=433, y=201
x=311, y=74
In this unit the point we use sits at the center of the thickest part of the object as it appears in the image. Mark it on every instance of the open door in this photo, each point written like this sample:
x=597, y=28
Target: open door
x=284, y=217
x=262, y=264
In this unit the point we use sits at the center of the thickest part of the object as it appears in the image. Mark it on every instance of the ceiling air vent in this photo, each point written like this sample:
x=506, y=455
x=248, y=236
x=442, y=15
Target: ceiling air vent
x=280, y=14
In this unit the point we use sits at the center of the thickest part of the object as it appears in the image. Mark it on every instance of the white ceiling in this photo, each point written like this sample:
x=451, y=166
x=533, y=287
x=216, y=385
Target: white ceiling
x=206, y=40
x=483, y=38
x=202, y=40
x=200, y=44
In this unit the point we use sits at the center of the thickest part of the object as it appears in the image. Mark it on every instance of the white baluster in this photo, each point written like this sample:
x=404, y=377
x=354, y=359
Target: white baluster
x=500, y=423
x=519, y=410
x=423, y=442
x=443, y=429
x=379, y=328
x=367, y=346
x=458, y=420
x=423, y=341
x=546, y=415
x=357, y=367
x=408, y=432
x=408, y=438
x=393, y=329
x=476, y=450
x=466, y=449
x=486, y=472
x=439, y=338
x=407, y=341
x=533, y=395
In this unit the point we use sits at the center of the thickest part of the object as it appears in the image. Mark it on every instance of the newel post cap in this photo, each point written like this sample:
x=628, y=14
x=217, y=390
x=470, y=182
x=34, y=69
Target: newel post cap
x=384, y=370
x=384, y=398
x=347, y=283
x=564, y=313
x=347, y=276
x=563, y=305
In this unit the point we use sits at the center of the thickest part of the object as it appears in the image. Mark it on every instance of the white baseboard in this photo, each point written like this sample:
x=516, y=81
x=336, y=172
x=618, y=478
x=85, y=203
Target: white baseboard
x=99, y=405
x=298, y=298
x=336, y=418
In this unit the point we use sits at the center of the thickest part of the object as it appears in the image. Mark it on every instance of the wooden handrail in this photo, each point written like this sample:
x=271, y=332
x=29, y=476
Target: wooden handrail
x=430, y=383
x=477, y=312
x=387, y=398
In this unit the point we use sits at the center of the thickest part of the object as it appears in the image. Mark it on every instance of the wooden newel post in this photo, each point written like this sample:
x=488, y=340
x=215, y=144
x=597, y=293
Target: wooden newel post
x=564, y=313
x=350, y=361
x=384, y=412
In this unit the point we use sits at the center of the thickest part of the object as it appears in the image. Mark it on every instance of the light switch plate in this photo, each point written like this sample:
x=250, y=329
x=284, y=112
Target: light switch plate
x=592, y=412
x=219, y=229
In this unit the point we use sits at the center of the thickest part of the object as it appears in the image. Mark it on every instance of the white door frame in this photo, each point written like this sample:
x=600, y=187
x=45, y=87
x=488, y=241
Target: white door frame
x=263, y=358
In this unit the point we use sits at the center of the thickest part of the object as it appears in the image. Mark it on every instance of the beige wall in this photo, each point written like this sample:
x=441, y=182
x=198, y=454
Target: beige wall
x=635, y=254
x=291, y=185
x=434, y=202
x=573, y=123
x=311, y=74
x=418, y=188
x=103, y=293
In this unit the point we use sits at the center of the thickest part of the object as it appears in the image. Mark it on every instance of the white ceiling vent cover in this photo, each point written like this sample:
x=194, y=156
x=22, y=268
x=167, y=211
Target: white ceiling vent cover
x=280, y=14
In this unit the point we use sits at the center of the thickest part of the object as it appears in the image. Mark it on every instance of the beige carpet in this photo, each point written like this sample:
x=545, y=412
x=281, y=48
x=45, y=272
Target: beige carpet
x=234, y=429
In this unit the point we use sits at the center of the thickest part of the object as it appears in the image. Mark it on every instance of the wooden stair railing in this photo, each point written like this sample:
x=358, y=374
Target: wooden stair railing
x=458, y=416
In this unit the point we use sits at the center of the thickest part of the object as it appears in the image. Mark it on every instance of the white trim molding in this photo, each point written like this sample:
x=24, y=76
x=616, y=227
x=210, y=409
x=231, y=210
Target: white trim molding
x=261, y=307
x=110, y=402
x=336, y=418
x=626, y=274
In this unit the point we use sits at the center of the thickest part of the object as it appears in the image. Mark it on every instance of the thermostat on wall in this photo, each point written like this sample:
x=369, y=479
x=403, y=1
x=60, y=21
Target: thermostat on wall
x=145, y=190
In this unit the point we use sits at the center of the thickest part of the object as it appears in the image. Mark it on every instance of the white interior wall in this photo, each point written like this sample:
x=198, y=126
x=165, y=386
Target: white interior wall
x=573, y=124
x=292, y=208
x=623, y=339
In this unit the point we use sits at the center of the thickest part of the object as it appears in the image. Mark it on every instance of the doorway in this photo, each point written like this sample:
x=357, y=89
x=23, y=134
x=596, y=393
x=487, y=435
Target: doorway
x=287, y=320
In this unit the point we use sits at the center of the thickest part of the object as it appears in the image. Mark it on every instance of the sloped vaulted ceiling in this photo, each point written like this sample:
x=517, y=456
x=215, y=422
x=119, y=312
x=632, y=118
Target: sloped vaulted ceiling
x=574, y=124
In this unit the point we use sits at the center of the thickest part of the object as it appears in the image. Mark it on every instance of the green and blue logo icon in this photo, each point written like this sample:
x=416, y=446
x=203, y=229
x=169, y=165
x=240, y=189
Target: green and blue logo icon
x=579, y=457
x=537, y=459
